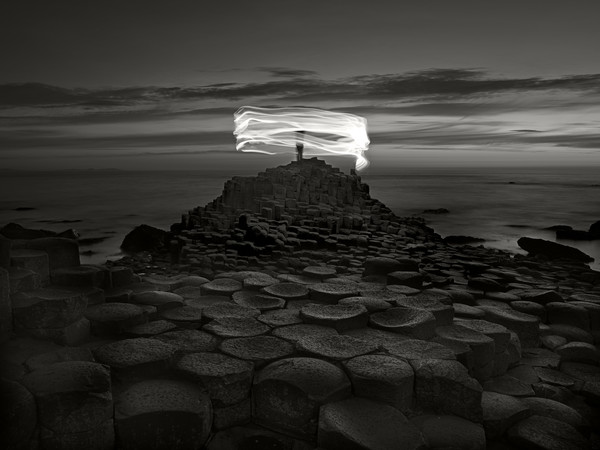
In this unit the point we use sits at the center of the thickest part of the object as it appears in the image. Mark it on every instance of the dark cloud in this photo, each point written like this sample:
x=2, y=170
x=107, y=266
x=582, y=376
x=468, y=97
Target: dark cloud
x=294, y=85
x=286, y=72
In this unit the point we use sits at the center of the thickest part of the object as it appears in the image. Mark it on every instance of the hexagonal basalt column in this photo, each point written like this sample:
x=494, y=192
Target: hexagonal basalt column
x=160, y=414
x=340, y=317
x=287, y=394
x=413, y=322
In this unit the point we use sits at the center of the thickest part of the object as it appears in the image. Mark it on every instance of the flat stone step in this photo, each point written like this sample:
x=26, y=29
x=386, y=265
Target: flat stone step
x=417, y=323
x=411, y=349
x=189, y=341
x=183, y=316
x=137, y=357
x=450, y=432
x=287, y=291
x=261, y=302
x=295, y=332
x=280, y=317
x=161, y=300
x=335, y=347
x=333, y=292
x=339, y=317
x=232, y=327
x=113, y=319
x=221, y=286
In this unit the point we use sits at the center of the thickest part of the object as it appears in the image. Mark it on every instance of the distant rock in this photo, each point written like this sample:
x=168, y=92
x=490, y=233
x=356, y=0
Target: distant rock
x=16, y=231
x=435, y=211
x=559, y=227
x=552, y=250
x=144, y=238
x=574, y=235
x=460, y=240
x=24, y=208
x=595, y=229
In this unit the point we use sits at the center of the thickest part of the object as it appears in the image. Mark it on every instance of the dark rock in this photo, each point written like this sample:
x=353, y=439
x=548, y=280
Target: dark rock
x=144, y=238
x=546, y=433
x=435, y=211
x=574, y=235
x=552, y=250
x=462, y=240
x=358, y=423
x=595, y=229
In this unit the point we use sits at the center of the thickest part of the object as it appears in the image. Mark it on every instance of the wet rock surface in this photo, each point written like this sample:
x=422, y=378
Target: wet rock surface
x=295, y=311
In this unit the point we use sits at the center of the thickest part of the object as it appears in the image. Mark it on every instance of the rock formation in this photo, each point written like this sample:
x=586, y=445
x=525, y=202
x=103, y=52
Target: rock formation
x=295, y=311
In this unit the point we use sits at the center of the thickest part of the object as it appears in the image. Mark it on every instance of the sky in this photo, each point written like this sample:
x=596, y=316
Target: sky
x=154, y=84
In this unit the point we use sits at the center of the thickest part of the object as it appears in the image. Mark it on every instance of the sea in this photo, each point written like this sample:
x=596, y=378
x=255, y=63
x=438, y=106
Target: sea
x=497, y=204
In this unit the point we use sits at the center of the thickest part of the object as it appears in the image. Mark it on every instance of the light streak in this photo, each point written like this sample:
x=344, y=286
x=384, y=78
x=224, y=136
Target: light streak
x=326, y=132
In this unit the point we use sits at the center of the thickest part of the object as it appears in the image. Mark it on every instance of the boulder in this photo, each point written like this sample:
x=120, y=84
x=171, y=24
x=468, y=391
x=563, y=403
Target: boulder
x=358, y=423
x=62, y=252
x=144, y=238
x=160, y=414
x=47, y=308
x=288, y=393
x=552, y=250
x=500, y=411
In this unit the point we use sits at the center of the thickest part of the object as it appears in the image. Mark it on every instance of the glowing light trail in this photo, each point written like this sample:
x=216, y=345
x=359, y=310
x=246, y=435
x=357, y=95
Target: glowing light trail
x=326, y=132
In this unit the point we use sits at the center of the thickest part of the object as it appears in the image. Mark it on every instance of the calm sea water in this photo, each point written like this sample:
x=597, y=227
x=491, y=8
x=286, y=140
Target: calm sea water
x=496, y=204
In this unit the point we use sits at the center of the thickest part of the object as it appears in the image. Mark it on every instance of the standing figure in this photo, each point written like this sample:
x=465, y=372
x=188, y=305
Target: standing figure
x=299, y=145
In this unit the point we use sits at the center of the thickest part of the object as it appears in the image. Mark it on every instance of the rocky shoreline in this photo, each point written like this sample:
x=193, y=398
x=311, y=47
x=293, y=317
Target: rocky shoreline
x=296, y=312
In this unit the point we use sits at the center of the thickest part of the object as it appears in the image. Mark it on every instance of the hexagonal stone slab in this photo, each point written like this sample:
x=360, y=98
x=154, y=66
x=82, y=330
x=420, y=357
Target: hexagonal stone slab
x=189, y=341
x=497, y=332
x=373, y=303
x=413, y=322
x=444, y=314
x=136, y=357
x=72, y=397
x=231, y=327
x=229, y=311
x=226, y=379
x=287, y=291
x=377, y=337
x=258, y=349
x=221, y=286
x=339, y=317
x=320, y=272
x=261, y=302
x=335, y=347
x=579, y=352
x=417, y=349
x=287, y=394
x=47, y=308
x=280, y=317
x=161, y=300
x=183, y=316
x=150, y=329
x=383, y=265
x=546, y=433
x=445, y=387
x=332, y=292
x=551, y=408
x=159, y=414
x=359, y=423
x=450, y=432
x=258, y=281
x=505, y=384
x=410, y=279
x=205, y=301
x=382, y=378
x=114, y=318
x=500, y=411
x=524, y=325
x=294, y=333
x=483, y=347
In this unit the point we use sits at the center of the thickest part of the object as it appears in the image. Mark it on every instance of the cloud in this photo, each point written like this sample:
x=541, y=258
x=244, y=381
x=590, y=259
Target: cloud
x=303, y=85
x=286, y=72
